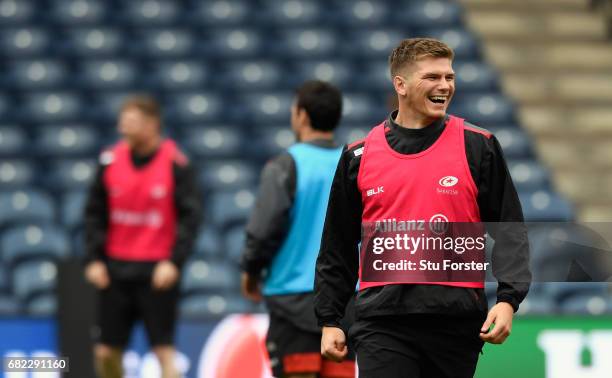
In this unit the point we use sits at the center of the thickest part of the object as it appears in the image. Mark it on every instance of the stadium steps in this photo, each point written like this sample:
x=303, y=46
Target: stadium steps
x=554, y=59
x=531, y=56
x=540, y=5
x=562, y=88
x=571, y=25
x=548, y=120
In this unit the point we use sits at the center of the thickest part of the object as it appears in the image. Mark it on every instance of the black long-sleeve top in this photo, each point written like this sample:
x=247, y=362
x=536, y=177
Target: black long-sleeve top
x=268, y=224
x=338, y=261
x=188, y=205
x=267, y=229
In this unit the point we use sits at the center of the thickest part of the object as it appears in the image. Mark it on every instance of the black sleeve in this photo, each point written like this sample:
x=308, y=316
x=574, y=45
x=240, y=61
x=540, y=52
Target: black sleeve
x=338, y=261
x=501, y=210
x=96, y=218
x=269, y=221
x=188, y=204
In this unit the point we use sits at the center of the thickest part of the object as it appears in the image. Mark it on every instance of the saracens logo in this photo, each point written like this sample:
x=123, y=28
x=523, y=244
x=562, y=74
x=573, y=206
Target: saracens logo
x=448, y=181
x=158, y=191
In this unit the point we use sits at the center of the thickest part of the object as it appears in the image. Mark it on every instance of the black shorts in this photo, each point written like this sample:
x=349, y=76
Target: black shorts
x=125, y=302
x=294, y=351
x=417, y=346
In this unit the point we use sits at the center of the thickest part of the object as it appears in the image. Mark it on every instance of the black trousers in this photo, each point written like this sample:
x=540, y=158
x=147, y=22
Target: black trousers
x=417, y=346
x=125, y=302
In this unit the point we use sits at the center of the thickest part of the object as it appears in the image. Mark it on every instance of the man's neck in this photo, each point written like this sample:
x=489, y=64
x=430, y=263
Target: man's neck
x=310, y=135
x=147, y=148
x=409, y=120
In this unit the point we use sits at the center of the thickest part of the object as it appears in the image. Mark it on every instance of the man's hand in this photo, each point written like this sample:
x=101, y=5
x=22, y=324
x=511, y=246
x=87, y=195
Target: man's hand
x=333, y=344
x=97, y=274
x=165, y=275
x=500, y=315
x=251, y=287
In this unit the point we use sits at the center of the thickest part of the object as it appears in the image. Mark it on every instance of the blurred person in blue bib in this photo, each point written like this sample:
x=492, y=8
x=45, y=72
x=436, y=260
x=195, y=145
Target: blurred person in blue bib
x=284, y=233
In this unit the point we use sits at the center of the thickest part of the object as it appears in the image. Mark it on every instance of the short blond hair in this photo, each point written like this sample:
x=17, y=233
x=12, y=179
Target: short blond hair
x=412, y=49
x=145, y=103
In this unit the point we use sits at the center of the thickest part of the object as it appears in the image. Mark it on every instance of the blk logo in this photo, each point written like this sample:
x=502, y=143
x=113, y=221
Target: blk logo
x=372, y=192
x=448, y=181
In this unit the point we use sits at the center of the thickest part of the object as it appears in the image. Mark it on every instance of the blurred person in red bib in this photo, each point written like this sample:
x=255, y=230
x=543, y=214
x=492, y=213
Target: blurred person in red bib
x=141, y=219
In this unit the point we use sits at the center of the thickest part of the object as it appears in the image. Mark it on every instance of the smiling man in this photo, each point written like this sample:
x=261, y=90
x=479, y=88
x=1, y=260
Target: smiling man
x=430, y=166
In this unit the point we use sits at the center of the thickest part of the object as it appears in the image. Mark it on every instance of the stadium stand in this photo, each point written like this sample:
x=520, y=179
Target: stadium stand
x=224, y=71
x=12, y=141
x=22, y=206
x=213, y=142
x=208, y=245
x=230, y=207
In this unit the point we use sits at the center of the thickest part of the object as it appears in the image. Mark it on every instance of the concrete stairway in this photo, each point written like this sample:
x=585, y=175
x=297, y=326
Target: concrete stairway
x=555, y=61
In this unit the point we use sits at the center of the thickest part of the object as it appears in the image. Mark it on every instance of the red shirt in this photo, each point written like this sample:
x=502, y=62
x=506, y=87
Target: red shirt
x=430, y=186
x=142, y=215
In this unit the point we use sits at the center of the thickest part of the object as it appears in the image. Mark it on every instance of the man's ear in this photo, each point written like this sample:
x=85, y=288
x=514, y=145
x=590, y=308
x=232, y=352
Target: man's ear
x=303, y=117
x=400, y=85
x=156, y=124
